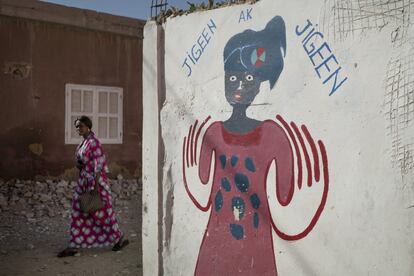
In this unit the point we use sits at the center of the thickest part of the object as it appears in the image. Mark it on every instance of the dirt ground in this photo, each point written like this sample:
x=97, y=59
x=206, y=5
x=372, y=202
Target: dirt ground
x=30, y=248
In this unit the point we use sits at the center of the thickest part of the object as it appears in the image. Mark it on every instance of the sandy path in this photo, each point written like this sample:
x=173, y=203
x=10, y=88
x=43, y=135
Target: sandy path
x=31, y=248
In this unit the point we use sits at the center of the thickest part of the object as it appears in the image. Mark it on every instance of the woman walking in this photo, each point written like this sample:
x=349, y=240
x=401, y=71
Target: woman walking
x=96, y=228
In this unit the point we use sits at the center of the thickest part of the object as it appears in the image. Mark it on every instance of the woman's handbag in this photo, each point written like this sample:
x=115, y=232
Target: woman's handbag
x=91, y=202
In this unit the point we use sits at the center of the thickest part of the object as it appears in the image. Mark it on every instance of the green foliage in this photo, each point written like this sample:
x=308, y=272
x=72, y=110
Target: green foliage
x=192, y=7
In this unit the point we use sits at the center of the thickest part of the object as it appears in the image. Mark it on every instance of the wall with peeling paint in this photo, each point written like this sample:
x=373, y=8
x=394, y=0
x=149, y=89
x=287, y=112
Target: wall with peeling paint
x=366, y=125
x=43, y=50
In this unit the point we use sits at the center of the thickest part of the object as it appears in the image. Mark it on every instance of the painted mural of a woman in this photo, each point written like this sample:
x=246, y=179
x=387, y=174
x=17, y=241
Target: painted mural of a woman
x=238, y=237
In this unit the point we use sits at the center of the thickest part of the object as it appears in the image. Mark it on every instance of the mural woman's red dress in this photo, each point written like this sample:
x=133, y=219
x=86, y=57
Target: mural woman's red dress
x=238, y=239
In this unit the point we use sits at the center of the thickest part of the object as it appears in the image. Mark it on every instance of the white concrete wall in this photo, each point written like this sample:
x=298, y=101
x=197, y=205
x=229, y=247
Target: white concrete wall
x=150, y=152
x=367, y=125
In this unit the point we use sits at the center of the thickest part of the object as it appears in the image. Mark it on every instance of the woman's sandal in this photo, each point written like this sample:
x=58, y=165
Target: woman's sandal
x=120, y=244
x=68, y=252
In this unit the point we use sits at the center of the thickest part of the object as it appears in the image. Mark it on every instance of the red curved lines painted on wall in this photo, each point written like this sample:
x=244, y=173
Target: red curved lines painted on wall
x=314, y=152
x=192, y=143
x=188, y=145
x=190, y=149
x=198, y=135
x=321, y=206
x=295, y=145
x=305, y=153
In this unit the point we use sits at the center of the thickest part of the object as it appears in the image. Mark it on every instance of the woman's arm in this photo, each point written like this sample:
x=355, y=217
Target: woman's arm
x=198, y=176
x=306, y=230
x=279, y=143
x=98, y=158
x=284, y=157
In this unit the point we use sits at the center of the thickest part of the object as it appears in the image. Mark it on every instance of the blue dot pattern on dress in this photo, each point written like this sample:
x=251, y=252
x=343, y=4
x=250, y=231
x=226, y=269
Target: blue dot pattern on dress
x=238, y=203
x=237, y=231
x=234, y=160
x=256, y=220
x=225, y=183
x=223, y=159
x=242, y=182
x=255, y=201
x=248, y=162
x=218, y=201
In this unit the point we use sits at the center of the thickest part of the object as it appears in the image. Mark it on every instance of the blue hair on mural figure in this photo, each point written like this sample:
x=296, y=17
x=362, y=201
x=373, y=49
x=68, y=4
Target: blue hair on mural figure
x=260, y=53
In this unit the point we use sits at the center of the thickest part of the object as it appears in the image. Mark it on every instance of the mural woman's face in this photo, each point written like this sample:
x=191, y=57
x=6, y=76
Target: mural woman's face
x=241, y=87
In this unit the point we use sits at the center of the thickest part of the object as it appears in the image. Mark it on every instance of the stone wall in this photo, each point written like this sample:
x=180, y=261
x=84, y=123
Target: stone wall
x=34, y=199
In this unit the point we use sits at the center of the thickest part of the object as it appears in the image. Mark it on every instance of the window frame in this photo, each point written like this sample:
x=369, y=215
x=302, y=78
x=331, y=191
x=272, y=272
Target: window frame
x=96, y=89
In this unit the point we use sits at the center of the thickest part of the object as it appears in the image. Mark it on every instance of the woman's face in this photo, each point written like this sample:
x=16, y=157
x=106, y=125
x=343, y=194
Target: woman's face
x=241, y=87
x=81, y=128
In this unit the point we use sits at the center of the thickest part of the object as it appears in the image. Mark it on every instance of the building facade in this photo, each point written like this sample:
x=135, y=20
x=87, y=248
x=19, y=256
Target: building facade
x=59, y=63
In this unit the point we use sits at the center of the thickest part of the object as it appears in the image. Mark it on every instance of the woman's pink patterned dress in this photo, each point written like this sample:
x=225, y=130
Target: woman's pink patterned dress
x=100, y=228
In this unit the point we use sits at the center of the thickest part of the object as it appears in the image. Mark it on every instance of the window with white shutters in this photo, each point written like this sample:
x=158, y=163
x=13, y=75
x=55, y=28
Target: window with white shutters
x=102, y=104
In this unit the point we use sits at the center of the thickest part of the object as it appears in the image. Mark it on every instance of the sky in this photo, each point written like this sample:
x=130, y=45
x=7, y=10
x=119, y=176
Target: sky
x=131, y=8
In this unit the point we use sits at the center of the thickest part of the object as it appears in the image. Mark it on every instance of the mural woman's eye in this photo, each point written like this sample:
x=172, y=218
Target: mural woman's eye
x=233, y=78
x=249, y=77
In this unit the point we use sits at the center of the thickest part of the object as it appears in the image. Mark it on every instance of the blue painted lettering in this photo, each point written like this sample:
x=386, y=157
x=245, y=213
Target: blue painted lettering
x=242, y=16
x=335, y=87
x=246, y=15
x=325, y=64
x=308, y=35
x=324, y=61
x=211, y=26
x=201, y=42
x=319, y=53
x=198, y=48
x=196, y=54
x=205, y=35
x=189, y=56
x=188, y=67
x=312, y=46
x=249, y=13
x=299, y=33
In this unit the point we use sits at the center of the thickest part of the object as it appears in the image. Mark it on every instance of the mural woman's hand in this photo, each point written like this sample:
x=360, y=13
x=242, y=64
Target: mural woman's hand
x=198, y=191
x=298, y=218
